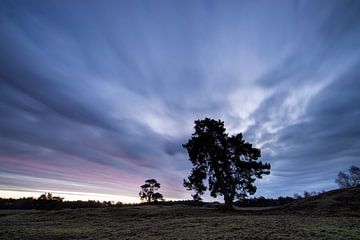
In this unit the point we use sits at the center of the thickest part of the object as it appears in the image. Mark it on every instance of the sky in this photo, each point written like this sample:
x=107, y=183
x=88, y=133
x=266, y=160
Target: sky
x=98, y=96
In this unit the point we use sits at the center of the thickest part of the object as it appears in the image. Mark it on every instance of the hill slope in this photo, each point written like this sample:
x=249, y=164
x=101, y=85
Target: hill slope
x=336, y=202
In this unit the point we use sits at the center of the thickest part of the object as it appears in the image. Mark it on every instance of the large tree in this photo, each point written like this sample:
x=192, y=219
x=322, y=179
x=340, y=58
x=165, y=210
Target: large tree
x=148, y=193
x=229, y=163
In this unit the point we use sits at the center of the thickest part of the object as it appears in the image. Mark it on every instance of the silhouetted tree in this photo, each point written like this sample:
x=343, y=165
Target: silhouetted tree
x=263, y=202
x=297, y=196
x=148, y=193
x=228, y=162
x=310, y=194
x=158, y=197
x=49, y=196
x=349, y=180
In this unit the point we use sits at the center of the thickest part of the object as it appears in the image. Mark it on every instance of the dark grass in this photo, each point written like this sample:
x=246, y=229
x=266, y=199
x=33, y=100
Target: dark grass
x=172, y=222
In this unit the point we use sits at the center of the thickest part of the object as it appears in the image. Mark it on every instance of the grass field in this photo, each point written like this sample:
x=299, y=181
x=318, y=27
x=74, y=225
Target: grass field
x=172, y=222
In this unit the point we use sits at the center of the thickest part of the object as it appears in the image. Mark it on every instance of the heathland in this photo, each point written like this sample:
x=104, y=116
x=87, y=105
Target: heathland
x=331, y=215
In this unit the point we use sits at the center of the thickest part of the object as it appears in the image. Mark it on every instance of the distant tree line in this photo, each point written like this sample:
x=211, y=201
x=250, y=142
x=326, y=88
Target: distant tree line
x=264, y=202
x=271, y=202
x=49, y=202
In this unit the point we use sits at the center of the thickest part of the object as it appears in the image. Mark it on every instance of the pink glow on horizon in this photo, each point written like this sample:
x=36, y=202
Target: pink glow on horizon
x=56, y=176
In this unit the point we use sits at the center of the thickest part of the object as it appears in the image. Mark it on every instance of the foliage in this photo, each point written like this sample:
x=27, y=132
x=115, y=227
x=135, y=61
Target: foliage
x=264, y=202
x=228, y=162
x=352, y=179
x=148, y=193
x=49, y=202
x=311, y=194
x=48, y=196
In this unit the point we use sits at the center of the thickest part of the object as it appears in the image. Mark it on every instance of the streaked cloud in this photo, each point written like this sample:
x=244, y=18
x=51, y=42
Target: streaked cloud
x=98, y=97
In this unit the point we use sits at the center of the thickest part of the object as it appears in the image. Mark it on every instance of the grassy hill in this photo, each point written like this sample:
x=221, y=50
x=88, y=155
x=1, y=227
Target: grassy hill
x=339, y=202
x=332, y=215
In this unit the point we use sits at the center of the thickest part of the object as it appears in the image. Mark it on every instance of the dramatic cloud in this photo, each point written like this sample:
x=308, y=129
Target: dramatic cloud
x=96, y=97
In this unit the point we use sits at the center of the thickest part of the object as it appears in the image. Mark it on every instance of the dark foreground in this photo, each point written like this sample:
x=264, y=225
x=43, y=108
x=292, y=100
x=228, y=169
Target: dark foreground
x=175, y=222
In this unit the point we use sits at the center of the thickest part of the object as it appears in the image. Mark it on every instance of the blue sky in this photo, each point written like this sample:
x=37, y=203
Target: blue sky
x=97, y=96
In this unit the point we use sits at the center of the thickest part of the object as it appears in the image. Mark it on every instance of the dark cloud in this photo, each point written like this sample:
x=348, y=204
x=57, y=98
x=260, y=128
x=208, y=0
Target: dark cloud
x=98, y=97
x=323, y=140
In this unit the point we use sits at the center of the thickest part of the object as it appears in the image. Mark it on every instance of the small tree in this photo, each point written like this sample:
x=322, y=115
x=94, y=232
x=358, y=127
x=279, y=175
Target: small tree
x=349, y=180
x=228, y=162
x=148, y=193
x=49, y=197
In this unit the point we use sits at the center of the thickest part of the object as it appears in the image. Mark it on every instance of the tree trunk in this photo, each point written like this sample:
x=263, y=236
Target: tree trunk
x=228, y=202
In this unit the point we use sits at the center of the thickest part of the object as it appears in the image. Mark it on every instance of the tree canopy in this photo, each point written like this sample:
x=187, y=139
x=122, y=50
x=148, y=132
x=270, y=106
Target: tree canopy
x=148, y=191
x=352, y=179
x=229, y=163
x=50, y=197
